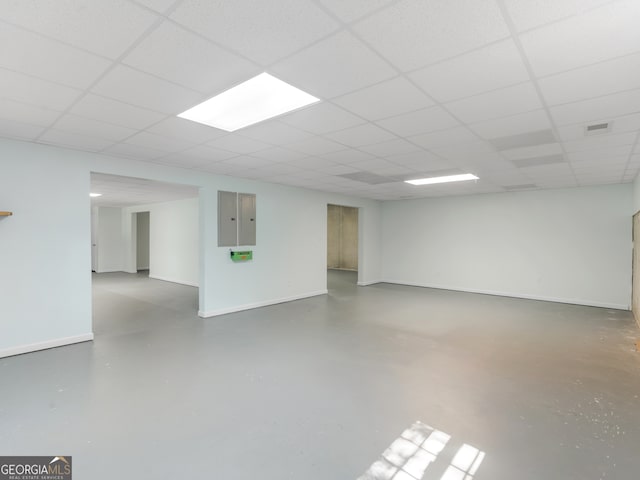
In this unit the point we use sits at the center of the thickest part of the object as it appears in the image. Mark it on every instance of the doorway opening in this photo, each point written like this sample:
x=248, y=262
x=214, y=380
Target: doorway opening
x=342, y=246
x=142, y=241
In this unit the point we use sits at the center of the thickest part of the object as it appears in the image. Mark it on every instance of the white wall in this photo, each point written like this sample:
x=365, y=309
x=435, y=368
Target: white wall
x=45, y=249
x=173, y=240
x=569, y=245
x=109, y=240
x=47, y=272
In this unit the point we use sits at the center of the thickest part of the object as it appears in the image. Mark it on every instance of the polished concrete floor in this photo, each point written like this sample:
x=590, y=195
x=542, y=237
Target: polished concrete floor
x=318, y=389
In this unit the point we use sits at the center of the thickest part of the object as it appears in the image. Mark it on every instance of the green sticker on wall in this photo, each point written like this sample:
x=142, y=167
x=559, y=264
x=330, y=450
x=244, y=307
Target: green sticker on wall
x=242, y=256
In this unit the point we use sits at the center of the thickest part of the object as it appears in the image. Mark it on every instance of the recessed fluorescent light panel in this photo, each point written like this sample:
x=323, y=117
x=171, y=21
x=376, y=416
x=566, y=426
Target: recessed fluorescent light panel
x=95, y=194
x=253, y=101
x=446, y=179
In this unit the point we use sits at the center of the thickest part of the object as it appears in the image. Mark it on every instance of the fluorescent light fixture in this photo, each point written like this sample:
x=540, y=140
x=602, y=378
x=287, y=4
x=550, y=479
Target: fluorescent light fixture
x=253, y=101
x=95, y=194
x=446, y=179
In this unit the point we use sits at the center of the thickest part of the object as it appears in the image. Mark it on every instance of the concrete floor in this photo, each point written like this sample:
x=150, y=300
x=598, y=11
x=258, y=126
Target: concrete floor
x=317, y=389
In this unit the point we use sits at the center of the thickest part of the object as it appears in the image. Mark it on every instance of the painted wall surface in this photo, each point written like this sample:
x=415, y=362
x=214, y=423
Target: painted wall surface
x=109, y=246
x=45, y=249
x=173, y=240
x=49, y=241
x=569, y=245
x=142, y=240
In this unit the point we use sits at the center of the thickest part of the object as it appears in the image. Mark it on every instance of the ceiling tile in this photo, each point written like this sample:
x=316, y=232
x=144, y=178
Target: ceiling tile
x=386, y=99
x=465, y=150
x=174, y=54
x=592, y=81
x=390, y=147
x=367, y=134
x=187, y=130
x=202, y=154
x=316, y=146
x=626, y=123
x=279, y=154
x=21, y=131
x=597, y=108
x=130, y=86
x=72, y=140
x=527, y=14
x=48, y=59
x=447, y=137
x=337, y=65
x=28, y=114
x=420, y=160
x=533, y=151
x=512, y=125
x=93, y=128
x=113, y=111
x=600, y=141
x=311, y=163
x=31, y=90
x=600, y=34
x=421, y=121
x=496, y=104
x=523, y=139
x=415, y=33
x=243, y=25
x=157, y=5
x=489, y=68
x=135, y=152
x=353, y=9
x=105, y=28
x=321, y=118
x=347, y=156
x=238, y=144
x=601, y=153
x=158, y=142
x=372, y=164
x=247, y=161
x=275, y=132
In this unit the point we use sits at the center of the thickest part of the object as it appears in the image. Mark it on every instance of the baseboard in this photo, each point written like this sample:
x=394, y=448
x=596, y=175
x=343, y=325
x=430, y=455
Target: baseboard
x=371, y=282
x=173, y=280
x=250, y=306
x=571, y=301
x=34, y=347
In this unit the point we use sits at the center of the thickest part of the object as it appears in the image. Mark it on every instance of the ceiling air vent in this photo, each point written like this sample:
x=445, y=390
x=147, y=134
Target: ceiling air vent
x=597, y=128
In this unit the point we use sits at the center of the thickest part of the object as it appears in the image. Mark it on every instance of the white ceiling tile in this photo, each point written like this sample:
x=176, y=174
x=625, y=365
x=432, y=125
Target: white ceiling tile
x=105, y=28
x=282, y=169
x=420, y=160
x=600, y=141
x=499, y=103
x=366, y=134
x=414, y=33
x=127, y=150
x=592, y=81
x=527, y=14
x=600, y=34
x=238, y=144
x=600, y=164
x=622, y=124
x=93, y=128
x=245, y=25
x=390, y=147
x=275, y=132
x=172, y=53
x=48, y=59
x=157, y=5
x=207, y=154
x=372, y=164
x=316, y=146
x=601, y=153
x=513, y=125
x=334, y=66
x=21, y=131
x=451, y=136
x=279, y=154
x=187, y=130
x=613, y=105
x=247, y=161
x=29, y=114
x=489, y=68
x=533, y=151
x=386, y=99
x=72, y=140
x=158, y=142
x=321, y=118
x=31, y=90
x=463, y=151
x=421, y=121
x=331, y=169
x=353, y=9
x=311, y=163
x=130, y=86
x=347, y=156
x=547, y=171
x=113, y=111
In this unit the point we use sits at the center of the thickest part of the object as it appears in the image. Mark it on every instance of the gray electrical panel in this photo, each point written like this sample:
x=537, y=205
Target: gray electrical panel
x=236, y=219
x=247, y=219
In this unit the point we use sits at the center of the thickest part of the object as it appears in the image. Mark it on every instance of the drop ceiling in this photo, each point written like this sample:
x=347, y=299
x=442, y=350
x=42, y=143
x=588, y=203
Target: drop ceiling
x=119, y=191
x=503, y=89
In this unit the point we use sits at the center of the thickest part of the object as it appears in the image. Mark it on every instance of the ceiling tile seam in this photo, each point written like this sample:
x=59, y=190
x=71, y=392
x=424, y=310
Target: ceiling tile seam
x=525, y=60
x=580, y=67
x=597, y=97
x=169, y=9
x=113, y=65
x=54, y=82
x=633, y=148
